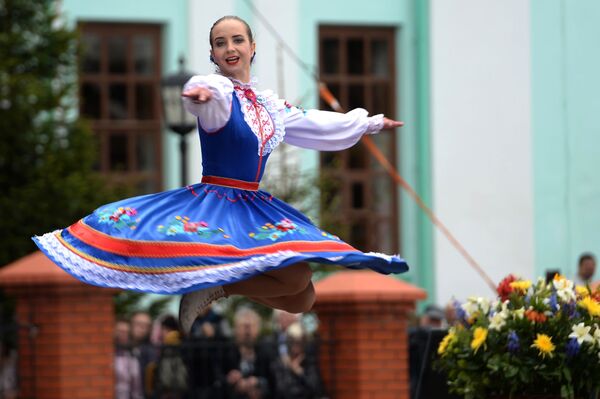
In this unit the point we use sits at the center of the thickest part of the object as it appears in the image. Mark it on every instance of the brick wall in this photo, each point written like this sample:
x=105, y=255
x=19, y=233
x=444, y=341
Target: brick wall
x=66, y=333
x=364, y=332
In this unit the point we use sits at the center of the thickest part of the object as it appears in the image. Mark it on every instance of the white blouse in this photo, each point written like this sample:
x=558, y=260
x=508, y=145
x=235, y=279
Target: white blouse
x=277, y=119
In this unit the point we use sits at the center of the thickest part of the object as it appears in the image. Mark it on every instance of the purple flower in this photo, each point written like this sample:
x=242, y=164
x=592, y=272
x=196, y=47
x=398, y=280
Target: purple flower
x=572, y=347
x=569, y=309
x=513, y=342
x=461, y=315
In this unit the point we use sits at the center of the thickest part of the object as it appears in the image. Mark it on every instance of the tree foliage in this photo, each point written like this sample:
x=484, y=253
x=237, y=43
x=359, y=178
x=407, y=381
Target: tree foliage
x=47, y=153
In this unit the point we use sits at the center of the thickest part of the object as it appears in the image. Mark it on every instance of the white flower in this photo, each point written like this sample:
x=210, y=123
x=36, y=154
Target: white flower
x=470, y=306
x=519, y=313
x=564, y=289
x=498, y=321
x=484, y=304
x=582, y=333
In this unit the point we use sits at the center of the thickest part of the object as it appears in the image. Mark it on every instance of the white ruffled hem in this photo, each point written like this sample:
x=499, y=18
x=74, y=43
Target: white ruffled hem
x=176, y=282
x=171, y=283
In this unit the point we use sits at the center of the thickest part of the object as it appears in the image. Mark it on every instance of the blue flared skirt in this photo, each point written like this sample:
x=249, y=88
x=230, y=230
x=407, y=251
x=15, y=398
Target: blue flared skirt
x=196, y=237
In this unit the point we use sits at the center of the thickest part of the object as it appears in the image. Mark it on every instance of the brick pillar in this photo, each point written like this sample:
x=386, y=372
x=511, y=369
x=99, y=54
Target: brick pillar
x=363, y=327
x=66, y=332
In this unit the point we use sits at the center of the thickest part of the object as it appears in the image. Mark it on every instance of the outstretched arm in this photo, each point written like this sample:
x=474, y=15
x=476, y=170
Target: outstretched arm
x=331, y=131
x=209, y=98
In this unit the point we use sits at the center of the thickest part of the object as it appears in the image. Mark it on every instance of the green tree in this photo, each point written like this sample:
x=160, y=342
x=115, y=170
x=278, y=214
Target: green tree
x=47, y=153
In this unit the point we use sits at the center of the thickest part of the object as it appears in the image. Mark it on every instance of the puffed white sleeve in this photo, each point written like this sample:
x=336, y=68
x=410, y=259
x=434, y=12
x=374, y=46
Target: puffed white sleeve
x=214, y=113
x=328, y=131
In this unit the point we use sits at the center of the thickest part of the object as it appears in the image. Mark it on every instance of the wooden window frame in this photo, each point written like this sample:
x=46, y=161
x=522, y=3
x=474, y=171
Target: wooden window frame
x=347, y=176
x=130, y=126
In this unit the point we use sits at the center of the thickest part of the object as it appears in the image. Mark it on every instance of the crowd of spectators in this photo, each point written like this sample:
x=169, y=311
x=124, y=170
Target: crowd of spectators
x=249, y=358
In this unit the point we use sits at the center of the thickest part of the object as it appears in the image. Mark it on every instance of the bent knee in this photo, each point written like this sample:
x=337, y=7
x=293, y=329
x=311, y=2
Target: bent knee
x=302, y=302
x=301, y=278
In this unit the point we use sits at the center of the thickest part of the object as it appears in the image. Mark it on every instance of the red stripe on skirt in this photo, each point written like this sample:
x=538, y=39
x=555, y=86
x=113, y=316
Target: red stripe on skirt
x=165, y=249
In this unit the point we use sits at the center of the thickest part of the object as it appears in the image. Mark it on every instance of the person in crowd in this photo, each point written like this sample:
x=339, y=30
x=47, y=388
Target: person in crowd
x=209, y=356
x=586, y=267
x=277, y=341
x=170, y=376
x=8, y=372
x=128, y=379
x=141, y=347
x=432, y=317
x=296, y=375
x=250, y=374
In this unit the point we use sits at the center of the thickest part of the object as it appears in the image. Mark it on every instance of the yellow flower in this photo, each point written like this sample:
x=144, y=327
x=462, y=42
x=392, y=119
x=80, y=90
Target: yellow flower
x=544, y=344
x=521, y=285
x=559, y=277
x=589, y=304
x=582, y=291
x=479, y=337
x=448, y=339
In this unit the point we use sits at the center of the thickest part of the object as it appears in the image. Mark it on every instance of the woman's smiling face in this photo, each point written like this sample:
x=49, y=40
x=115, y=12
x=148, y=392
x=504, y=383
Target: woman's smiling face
x=232, y=49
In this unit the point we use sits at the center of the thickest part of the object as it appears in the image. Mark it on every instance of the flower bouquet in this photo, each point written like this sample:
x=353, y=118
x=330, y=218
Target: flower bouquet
x=535, y=340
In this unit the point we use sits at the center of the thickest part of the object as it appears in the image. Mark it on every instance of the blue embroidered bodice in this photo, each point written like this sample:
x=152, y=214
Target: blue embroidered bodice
x=231, y=151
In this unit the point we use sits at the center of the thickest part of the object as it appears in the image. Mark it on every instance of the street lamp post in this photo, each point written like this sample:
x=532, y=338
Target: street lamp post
x=176, y=117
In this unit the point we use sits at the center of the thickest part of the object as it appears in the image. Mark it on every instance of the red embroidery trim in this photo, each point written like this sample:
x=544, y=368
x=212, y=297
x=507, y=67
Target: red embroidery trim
x=243, y=197
x=166, y=249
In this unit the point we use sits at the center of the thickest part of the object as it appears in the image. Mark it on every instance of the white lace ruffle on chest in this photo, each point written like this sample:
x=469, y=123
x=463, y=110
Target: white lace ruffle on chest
x=262, y=116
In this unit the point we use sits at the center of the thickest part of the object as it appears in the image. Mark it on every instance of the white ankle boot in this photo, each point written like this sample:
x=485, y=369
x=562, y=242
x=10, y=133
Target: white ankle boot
x=193, y=303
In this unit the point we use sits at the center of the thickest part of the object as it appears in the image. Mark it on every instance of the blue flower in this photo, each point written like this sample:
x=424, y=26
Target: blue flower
x=572, y=347
x=513, y=344
x=554, y=302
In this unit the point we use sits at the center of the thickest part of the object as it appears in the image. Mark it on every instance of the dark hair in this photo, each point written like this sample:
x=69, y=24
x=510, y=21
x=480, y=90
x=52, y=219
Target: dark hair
x=170, y=323
x=234, y=17
x=586, y=256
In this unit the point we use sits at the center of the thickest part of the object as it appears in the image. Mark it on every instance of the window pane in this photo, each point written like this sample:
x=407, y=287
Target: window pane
x=117, y=54
x=143, y=54
x=117, y=147
x=358, y=193
x=379, y=57
x=358, y=157
x=117, y=97
x=97, y=139
x=331, y=55
x=90, y=100
x=381, y=99
x=358, y=234
x=356, y=97
x=356, y=56
x=144, y=101
x=90, y=59
x=145, y=153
